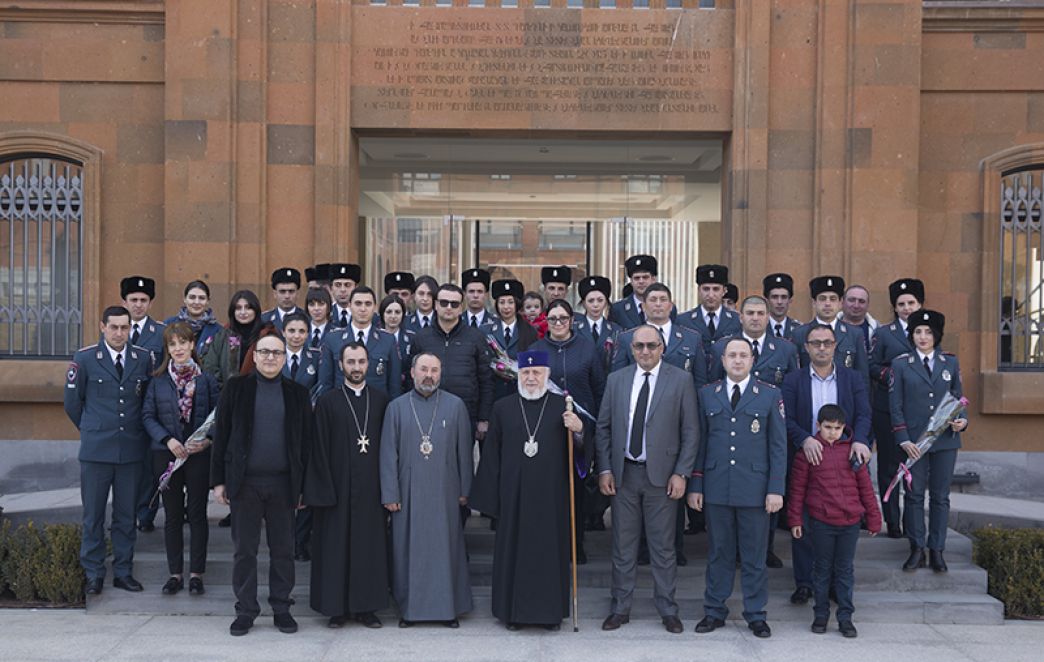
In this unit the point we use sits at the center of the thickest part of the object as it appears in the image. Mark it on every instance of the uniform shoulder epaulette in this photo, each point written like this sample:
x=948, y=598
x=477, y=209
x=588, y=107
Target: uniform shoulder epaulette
x=87, y=347
x=767, y=384
x=903, y=356
x=947, y=353
x=893, y=327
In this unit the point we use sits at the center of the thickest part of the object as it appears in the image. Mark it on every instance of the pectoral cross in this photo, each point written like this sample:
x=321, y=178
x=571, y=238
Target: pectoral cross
x=364, y=444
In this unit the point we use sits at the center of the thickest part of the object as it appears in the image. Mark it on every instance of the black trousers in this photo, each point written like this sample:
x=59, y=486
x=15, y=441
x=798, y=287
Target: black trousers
x=889, y=457
x=186, y=498
x=264, y=499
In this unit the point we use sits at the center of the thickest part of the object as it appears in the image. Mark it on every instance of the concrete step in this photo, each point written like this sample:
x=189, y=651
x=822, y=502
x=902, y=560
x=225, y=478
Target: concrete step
x=870, y=574
x=938, y=607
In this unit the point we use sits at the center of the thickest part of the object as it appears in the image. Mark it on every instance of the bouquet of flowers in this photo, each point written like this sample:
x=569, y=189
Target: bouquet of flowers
x=507, y=367
x=949, y=410
x=196, y=437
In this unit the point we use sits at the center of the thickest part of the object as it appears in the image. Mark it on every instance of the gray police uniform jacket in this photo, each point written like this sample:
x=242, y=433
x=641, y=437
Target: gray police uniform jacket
x=307, y=370
x=743, y=454
x=385, y=371
x=776, y=359
x=789, y=325
x=272, y=316
x=624, y=313
x=850, y=350
x=608, y=337
x=105, y=408
x=684, y=350
x=150, y=337
x=889, y=341
x=727, y=323
x=914, y=395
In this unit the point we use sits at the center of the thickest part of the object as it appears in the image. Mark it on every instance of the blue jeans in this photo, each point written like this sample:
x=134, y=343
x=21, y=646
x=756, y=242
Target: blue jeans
x=834, y=553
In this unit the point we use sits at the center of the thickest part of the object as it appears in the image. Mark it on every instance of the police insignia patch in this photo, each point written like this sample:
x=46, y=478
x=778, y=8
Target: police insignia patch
x=755, y=426
x=71, y=373
x=311, y=369
x=782, y=409
x=946, y=375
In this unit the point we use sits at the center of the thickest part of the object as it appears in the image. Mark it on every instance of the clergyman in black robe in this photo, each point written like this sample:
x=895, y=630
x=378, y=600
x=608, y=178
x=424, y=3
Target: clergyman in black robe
x=526, y=486
x=342, y=486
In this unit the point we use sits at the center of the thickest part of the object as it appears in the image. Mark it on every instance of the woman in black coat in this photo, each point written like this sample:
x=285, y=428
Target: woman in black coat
x=178, y=400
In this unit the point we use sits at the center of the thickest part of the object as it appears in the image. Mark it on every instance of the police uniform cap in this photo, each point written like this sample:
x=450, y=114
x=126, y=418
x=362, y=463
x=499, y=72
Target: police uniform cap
x=595, y=284
x=132, y=284
x=906, y=286
x=637, y=263
x=712, y=273
x=775, y=281
x=821, y=284
x=286, y=275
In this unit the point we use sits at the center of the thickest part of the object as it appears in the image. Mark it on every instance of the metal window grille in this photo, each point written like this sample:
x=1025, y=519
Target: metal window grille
x=41, y=256
x=1021, y=278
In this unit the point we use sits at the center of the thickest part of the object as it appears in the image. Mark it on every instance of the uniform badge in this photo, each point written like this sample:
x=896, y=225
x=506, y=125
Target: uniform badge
x=98, y=355
x=627, y=306
x=70, y=374
x=311, y=369
x=755, y=389
x=755, y=426
x=782, y=409
x=688, y=365
x=946, y=375
x=779, y=376
x=380, y=368
x=848, y=360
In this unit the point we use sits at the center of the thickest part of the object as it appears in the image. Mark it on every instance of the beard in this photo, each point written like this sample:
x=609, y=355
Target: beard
x=426, y=388
x=531, y=394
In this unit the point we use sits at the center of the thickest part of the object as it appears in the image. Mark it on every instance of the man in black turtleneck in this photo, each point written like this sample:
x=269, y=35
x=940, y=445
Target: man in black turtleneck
x=262, y=436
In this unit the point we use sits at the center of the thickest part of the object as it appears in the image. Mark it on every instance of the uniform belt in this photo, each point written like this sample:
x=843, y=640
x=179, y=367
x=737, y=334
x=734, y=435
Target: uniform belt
x=628, y=460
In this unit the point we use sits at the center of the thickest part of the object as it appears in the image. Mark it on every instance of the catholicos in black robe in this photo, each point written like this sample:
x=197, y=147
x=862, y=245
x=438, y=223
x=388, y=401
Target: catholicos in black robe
x=528, y=493
x=342, y=486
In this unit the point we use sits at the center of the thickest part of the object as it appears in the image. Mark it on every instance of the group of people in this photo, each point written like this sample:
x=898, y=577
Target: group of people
x=347, y=428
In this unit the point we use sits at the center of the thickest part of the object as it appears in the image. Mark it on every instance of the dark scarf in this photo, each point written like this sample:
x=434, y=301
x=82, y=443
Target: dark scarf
x=196, y=324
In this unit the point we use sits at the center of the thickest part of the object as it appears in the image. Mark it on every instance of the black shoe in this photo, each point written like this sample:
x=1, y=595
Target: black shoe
x=847, y=629
x=672, y=624
x=614, y=621
x=581, y=556
x=819, y=625
x=369, y=619
x=196, y=586
x=128, y=583
x=773, y=561
x=643, y=557
x=336, y=622
x=94, y=586
x=915, y=560
x=936, y=561
x=303, y=556
x=173, y=585
x=224, y=523
x=285, y=623
x=760, y=629
x=146, y=527
x=801, y=596
x=452, y=623
x=680, y=559
x=240, y=626
x=513, y=627
x=895, y=531
x=709, y=624
x=403, y=623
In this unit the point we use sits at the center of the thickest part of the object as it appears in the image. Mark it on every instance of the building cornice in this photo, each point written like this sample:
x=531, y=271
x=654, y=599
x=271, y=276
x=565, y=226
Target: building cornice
x=983, y=16
x=118, y=12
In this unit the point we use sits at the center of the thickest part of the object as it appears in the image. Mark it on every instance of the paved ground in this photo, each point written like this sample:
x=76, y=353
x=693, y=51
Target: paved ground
x=71, y=635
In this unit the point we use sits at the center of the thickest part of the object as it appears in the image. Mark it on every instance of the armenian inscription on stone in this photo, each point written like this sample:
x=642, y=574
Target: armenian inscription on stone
x=541, y=68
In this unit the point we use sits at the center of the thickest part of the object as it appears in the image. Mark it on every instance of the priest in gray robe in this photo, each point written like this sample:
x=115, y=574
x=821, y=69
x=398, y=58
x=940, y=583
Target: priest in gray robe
x=426, y=472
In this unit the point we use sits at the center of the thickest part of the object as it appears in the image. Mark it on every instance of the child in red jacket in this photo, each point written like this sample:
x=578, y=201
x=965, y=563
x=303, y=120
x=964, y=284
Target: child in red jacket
x=837, y=495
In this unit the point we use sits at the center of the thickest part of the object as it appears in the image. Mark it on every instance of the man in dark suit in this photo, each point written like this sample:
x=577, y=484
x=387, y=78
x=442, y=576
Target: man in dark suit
x=104, y=387
x=711, y=318
x=738, y=482
x=646, y=441
x=778, y=289
x=263, y=430
x=805, y=391
x=286, y=282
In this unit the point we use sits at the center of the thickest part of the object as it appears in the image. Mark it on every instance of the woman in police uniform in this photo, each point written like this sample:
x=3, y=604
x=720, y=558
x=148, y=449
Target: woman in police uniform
x=920, y=380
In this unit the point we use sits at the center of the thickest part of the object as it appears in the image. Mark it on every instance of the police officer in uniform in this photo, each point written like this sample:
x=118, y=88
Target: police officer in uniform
x=556, y=282
x=512, y=333
x=400, y=284
x=920, y=380
x=731, y=297
x=138, y=293
x=594, y=321
x=889, y=341
x=850, y=351
x=643, y=271
x=424, y=315
x=711, y=319
x=286, y=282
x=773, y=358
x=738, y=482
x=778, y=289
x=104, y=388
x=343, y=279
x=385, y=370
x=475, y=283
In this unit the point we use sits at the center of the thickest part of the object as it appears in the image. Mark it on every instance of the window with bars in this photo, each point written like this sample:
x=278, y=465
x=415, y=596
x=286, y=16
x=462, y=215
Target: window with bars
x=41, y=256
x=1021, y=279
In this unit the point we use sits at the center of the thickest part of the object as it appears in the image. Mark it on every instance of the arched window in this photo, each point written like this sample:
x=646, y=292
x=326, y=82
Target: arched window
x=41, y=255
x=1021, y=260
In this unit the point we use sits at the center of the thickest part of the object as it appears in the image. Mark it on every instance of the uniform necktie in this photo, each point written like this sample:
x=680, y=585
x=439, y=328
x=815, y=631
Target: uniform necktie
x=662, y=339
x=757, y=351
x=735, y=396
x=779, y=330
x=424, y=322
x=927, y=366
x=344, y=318
x=594, y=332
x=638, y=422
x=315, y=339
x=507, y=335
x=361, y=338
x=293, y=366
x=474, y=321
x=641, y=313
x=711, y=327
x=136, y=335
x=119, y=365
